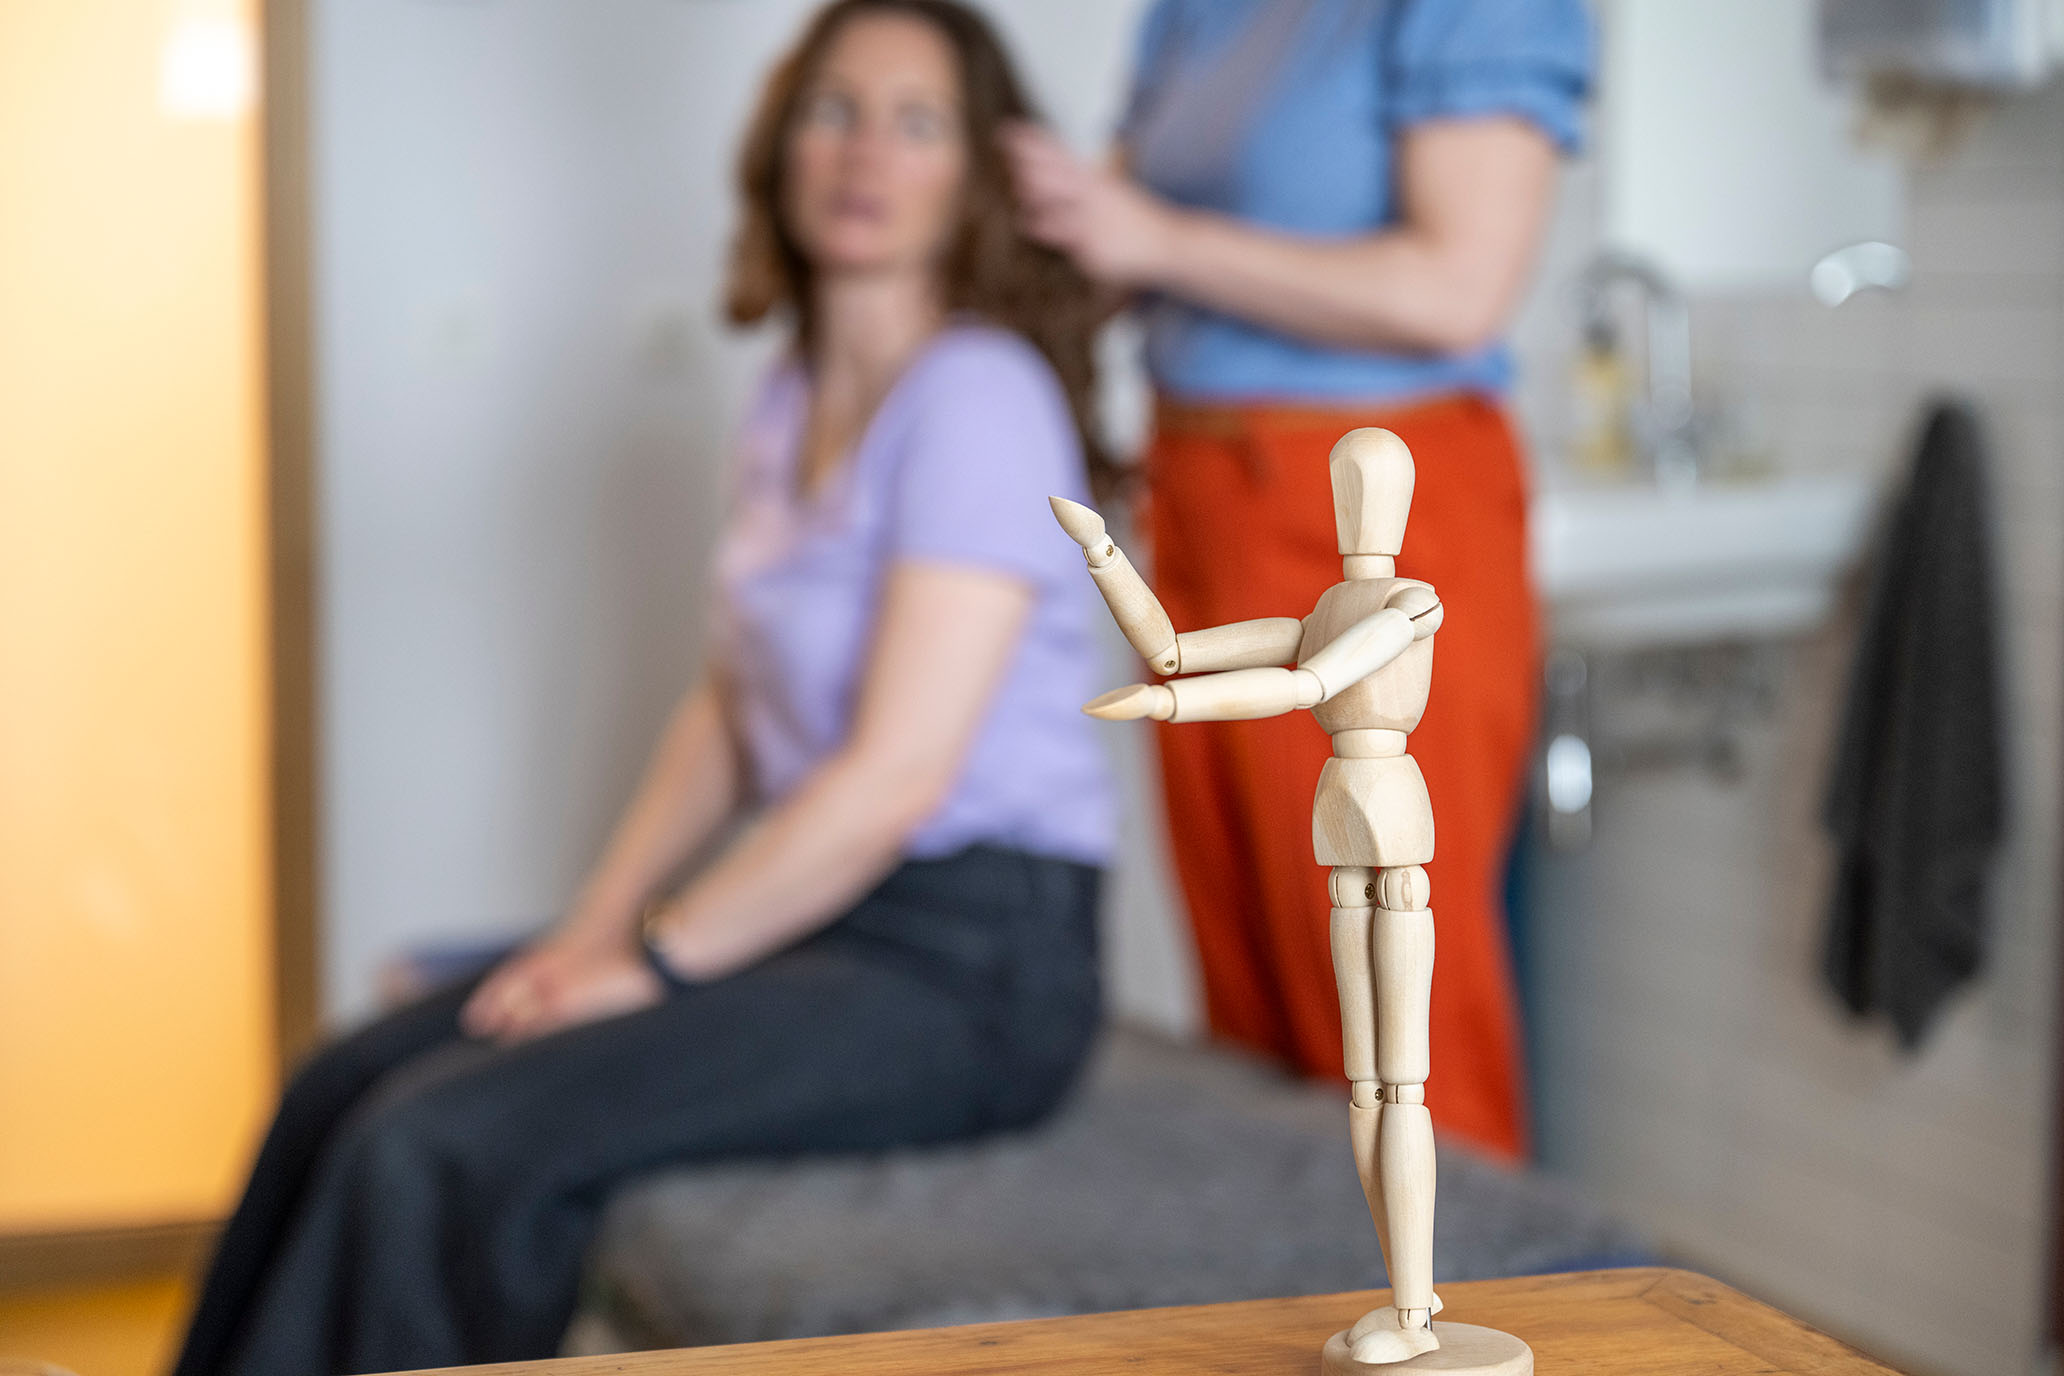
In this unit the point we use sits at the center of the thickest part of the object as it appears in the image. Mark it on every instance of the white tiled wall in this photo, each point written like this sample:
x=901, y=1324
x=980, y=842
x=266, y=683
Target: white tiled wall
x=1695, y=1073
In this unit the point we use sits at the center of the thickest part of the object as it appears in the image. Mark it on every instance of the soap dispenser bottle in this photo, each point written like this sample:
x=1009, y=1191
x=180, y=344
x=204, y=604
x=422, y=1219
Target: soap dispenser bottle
x=1602, y=438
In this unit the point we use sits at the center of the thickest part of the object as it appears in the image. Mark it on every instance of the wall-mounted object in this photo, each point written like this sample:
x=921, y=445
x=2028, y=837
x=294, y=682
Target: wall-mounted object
x=1727, y=157
x=2002, y=44
x=1639, y=566
x=1860, y=267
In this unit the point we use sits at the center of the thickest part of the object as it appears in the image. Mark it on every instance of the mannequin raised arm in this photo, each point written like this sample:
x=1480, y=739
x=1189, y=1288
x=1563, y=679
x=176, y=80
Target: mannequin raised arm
x=1237, y=645
x=1242, y=694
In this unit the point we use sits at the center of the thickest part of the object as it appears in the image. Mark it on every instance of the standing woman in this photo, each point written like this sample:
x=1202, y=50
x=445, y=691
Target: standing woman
x=1331, y=212
x=901, y=947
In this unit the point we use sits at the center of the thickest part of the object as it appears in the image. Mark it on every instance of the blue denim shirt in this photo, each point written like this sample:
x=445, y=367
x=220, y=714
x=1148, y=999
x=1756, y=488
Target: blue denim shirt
x=1285, y=113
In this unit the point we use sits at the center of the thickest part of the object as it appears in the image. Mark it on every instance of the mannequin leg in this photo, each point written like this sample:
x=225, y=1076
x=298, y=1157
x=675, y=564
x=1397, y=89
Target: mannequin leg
x=1353, y=889
x=1401, y=933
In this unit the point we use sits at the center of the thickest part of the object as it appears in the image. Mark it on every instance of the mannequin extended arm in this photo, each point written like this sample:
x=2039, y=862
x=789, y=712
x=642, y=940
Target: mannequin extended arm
x=1243, y=694
x=1238, y=645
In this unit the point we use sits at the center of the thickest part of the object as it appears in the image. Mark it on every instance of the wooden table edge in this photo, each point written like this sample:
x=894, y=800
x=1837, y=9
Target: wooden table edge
x=1753, y=1326
x=1729, y=1315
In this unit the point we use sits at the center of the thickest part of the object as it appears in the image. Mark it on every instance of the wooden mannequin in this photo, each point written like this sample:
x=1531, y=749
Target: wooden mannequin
x=1363, y=663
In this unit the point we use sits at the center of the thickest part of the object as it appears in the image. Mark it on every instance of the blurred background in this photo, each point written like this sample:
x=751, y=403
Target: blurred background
x=363, y=414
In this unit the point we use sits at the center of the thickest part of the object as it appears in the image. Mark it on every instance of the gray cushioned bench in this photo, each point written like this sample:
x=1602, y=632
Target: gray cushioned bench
x=1175, y=1175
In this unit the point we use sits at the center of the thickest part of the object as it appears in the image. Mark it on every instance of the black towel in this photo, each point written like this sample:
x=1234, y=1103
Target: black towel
x=1915, y=802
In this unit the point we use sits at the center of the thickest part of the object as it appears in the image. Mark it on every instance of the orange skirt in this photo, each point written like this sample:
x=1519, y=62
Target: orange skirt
x=1240, y=516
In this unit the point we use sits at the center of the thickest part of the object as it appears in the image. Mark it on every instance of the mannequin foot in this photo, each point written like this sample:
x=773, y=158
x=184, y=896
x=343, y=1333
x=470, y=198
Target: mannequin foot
x=1385, y=1335
x=1385, y=1317
x=1465, y=1350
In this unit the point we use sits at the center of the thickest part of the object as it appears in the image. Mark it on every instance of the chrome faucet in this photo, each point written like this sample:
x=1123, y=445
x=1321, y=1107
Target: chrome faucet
x=1664, y=425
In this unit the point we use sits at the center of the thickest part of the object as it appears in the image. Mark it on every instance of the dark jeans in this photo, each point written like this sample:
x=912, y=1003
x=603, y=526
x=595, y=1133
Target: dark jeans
x=425, y=1200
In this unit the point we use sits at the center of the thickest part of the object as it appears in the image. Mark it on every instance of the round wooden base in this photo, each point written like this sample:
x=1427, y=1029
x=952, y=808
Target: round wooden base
x=1466, y=1349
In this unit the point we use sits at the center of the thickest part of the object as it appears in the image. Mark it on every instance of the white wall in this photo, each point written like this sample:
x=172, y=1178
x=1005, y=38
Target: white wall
x=526, y=398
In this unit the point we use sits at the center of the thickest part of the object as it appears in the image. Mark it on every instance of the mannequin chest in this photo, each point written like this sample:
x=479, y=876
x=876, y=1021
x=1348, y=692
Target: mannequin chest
x=1394, y=697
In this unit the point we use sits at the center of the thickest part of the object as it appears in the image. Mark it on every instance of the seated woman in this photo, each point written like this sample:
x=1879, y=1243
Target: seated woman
x=900, y=948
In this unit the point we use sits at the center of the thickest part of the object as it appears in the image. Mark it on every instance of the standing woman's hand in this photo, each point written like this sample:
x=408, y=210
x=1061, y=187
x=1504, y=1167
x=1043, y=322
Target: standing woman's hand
x=1112, y=229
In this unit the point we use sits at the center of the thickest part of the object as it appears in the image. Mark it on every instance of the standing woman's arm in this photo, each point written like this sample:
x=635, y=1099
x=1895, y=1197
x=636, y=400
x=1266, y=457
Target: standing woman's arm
x=1476, y=99
x=1473, y=196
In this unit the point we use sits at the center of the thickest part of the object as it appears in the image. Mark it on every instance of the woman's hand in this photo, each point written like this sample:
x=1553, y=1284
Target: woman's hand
x=1443, y=277
x=589, y=967
x=563, y=980
x=1111, y=229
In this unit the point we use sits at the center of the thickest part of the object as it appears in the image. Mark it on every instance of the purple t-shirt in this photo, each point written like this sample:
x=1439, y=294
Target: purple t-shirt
x=955, y=468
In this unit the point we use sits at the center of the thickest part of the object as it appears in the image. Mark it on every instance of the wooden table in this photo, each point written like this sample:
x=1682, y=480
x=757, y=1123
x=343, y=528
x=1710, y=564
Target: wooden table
x=1646, y=1322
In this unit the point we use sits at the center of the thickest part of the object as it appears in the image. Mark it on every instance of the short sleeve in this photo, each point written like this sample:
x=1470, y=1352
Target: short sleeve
x=989, y=439
x=1457, y=58
x=1152, y=53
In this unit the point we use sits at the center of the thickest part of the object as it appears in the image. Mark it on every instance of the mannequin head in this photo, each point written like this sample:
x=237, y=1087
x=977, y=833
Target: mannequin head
x=1372, y=493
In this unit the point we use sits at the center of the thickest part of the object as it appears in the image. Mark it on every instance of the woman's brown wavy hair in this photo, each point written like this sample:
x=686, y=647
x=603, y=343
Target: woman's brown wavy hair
x=990, y=269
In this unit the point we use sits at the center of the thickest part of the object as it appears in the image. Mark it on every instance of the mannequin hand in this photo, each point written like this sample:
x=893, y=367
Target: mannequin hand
x=1423, y=605
x=1084, y=526
x=1111, y=228
x=1133, y=701
x=564, y=980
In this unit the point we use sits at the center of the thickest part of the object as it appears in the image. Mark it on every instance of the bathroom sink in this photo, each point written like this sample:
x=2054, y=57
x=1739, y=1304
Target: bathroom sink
x=1638, y=565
